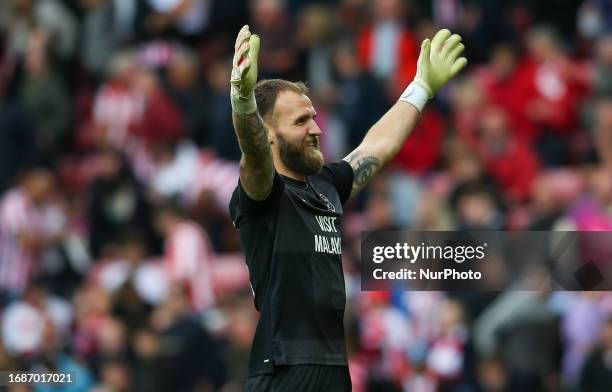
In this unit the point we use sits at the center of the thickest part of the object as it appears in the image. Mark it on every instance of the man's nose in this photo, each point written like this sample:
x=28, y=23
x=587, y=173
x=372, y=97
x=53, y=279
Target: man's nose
x=314, y=129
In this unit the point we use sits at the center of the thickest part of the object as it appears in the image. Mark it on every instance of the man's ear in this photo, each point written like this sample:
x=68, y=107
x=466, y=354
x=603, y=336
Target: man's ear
x=271, y=133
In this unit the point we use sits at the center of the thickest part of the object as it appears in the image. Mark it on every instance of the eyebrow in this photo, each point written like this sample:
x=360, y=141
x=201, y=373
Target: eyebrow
x=304, y=117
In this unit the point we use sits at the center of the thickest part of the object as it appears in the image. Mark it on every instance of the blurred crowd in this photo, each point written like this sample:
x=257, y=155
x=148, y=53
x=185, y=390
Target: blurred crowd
x=118, y=260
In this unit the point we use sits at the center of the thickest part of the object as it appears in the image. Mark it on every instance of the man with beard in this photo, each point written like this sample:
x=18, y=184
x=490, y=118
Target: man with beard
x=288, y=208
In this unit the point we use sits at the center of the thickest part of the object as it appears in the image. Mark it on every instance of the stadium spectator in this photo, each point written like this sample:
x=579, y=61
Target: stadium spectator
x=115, y=376
x=218, y=115
x=136, y=282
x=161, y=121
x=509, y=160
x=107, y=25
x=551, y=95
x=279, y=52
x=477, y=207
x=355, y=89
x=500, y=83
x=117, y=203
x=493, y=375
x=147, y=374
x=552, y=194
x=17, y=139
x=597, y=371
x=584, y=317
x=46, y=99
x=511, y=324
x=602, y=87
x=422, y=152
x=193, y=360
x=446, y=352
x=190, y=95
x=35, y=324
x=316, y=32
x=387, y=47
x=21, y=19
x=189, y=255
x=30, y=224
x=116, y=108
x=591, y=211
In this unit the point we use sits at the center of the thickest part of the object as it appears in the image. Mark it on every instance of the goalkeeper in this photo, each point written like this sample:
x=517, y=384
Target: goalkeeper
x=288, y=208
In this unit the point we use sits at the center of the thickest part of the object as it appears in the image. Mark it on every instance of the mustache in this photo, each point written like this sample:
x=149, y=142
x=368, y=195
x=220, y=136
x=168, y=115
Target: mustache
x=313, y=140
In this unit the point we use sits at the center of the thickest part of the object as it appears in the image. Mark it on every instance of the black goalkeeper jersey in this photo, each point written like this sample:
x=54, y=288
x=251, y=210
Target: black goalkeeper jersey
x=292, y=244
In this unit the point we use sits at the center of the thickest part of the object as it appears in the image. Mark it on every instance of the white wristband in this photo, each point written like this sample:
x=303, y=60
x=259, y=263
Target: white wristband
x=415, y=95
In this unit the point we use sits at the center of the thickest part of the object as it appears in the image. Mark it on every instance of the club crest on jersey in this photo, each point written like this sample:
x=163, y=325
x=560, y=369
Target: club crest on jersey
x=330, y=206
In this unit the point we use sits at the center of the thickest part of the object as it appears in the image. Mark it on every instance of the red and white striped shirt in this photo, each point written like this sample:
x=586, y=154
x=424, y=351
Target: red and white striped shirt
x=189, y=255
x=117, y=109
x=192, y=172
x=18, y=215
x=215, y=175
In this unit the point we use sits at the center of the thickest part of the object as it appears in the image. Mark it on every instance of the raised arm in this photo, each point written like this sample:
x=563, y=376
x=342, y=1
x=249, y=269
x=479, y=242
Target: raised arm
x=256, y=165
x=438, y=62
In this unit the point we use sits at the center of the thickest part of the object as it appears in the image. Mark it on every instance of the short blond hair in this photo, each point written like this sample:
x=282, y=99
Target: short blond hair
x=266, y=92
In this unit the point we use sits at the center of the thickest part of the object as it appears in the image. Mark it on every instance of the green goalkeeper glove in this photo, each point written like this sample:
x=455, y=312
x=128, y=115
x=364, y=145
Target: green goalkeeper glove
x=244, y=72
x=438, y=63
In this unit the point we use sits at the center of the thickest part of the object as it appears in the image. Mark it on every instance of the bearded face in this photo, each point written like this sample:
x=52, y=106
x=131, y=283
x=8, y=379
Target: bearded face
x=303, y=157
x=297, y=134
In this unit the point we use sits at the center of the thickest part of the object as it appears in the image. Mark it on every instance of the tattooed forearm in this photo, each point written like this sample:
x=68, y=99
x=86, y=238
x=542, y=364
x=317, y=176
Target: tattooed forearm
x=364, y=168
x=256, y=165
x=382, y=142
x=252, y=134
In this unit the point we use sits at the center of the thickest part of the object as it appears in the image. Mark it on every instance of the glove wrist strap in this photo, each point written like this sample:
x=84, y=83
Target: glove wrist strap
x=415, y=95
x=243, y=105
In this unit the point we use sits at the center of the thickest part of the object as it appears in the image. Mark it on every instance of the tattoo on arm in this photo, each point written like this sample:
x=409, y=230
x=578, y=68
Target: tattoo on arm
x=252, y=134
x=364, y=168
x=256, y=165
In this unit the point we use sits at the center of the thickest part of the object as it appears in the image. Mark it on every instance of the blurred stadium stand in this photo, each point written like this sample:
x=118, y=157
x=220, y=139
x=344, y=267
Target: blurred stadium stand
x=118, y=260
